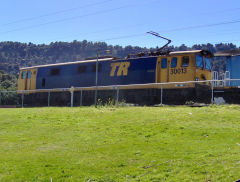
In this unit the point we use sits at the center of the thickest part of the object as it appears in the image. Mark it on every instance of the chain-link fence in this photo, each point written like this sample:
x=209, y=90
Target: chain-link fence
x=172, y=93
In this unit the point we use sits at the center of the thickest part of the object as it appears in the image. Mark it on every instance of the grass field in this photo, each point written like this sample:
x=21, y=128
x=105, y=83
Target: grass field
x=120, y=144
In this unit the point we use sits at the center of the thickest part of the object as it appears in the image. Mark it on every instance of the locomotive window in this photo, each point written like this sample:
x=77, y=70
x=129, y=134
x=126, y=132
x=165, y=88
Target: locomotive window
x=29, y=74
x=54, y=72
x=99, y=67
x=185, y=61
x=208, y=63
x=23, y=74
x=199, y=61
x=164, y=63
x=82, y=69
x=174, y=62
x=43, y=82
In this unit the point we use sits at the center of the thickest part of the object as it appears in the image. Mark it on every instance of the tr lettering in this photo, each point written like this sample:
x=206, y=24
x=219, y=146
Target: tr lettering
x=120, y=67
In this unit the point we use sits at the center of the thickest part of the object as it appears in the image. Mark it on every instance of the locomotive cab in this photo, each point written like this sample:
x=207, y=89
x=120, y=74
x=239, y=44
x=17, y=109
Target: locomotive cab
x=183, y=66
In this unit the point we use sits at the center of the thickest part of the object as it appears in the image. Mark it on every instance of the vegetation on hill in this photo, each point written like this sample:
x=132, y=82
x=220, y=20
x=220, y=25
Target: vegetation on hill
x=120, y=144
x=8, y=81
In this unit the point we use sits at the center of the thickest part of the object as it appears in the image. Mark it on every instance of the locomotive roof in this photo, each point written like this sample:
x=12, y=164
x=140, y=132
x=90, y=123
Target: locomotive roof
x=67, y=63
x=203, y=52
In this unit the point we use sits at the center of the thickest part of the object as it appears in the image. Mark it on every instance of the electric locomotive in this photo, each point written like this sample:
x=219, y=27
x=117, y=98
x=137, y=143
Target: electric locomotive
x=128, y=73
x=135, y=76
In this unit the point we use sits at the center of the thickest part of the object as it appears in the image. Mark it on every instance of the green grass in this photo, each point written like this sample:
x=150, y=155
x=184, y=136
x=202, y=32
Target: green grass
x=120, y=144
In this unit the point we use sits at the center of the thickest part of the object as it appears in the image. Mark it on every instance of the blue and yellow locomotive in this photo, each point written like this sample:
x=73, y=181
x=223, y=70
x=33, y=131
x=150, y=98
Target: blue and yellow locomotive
x=171, y=67
x=175, y=67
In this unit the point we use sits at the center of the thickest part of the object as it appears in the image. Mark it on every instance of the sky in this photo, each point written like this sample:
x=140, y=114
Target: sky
x=121, y=22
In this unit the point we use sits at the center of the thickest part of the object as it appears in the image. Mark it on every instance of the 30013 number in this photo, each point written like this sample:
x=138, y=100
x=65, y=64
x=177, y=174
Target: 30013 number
x=178, y=71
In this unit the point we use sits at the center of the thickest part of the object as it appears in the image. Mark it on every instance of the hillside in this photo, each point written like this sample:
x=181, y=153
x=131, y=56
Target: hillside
x=120, y=144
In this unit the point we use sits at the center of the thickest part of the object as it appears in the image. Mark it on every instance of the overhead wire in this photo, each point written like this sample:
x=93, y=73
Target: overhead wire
x=106, y=11
x=62, y=20
x=176, y=29
x=74, y=17
x=101, y=31
x=55, y=13
x=203, y=26
x=172, y=30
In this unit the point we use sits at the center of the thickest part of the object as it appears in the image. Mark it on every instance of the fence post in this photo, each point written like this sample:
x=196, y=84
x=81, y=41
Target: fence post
x=22, y=98
x=48, y=98
x=161, y=94
x=117, y=96
x=95, y=97
x=72, y=95
x=212, y=100
x=80, y=97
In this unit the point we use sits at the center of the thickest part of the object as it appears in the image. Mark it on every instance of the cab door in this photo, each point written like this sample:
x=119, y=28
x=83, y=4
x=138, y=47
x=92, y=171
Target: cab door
x=163, y=69
x=31, y=79
x=27, y=79
x=22, y=80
